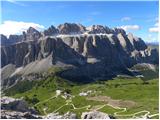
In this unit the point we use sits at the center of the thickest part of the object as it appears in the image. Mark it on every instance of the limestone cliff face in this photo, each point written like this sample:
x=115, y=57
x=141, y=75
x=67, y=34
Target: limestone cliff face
x=101, y=53
x=23, y=53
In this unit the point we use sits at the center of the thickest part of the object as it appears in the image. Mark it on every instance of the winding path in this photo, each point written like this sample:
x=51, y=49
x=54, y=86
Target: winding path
x=146, y=115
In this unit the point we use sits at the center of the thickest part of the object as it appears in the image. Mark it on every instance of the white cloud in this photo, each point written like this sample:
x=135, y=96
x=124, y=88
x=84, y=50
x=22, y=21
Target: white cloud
x=14, y=27
x=130, y=27
x=125, y=19
x=155, y=28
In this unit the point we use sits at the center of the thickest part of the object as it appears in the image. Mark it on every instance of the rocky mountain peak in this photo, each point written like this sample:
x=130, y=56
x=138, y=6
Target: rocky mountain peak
x=96, y=29
x=130, y=35
x=32, y=30
x=51, y=31
x=31, y=34
x=71, y=28
x=119, y=30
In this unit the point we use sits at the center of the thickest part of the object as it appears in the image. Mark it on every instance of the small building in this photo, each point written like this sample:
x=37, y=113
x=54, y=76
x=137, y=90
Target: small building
x=83, y=94
x=66, y=96
x=58, y=92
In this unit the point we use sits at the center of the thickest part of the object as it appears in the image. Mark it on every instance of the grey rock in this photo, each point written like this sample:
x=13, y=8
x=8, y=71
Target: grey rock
x=16, y=109
x=8, y=103
x=119, y=30
x=11, y=40
x=51, y=31
x=14, y=39
x=71, y=28
x=32, y=34
x=4, y=40
x=97, y=29
x=95, y=115
x=18, y=115
x=68, y=115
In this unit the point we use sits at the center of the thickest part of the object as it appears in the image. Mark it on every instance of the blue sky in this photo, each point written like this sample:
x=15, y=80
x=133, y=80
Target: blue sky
x=138, y=17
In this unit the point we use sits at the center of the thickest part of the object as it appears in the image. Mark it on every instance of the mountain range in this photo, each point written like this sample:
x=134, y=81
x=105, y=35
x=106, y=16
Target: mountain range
x=84, y=54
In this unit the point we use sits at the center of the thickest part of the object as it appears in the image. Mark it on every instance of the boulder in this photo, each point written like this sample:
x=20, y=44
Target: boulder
x=95, y=115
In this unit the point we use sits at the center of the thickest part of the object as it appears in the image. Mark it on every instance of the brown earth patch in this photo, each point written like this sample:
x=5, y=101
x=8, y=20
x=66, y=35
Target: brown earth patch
x=115, y=103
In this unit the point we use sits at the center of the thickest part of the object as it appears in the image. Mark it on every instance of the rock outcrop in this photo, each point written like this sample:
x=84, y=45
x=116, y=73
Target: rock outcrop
x=96, y=115
x=68, y=115
x=5, y=114
x=8, y=103
x=12, y=108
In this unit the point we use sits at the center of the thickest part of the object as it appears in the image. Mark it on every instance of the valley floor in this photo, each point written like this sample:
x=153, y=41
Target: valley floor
x=121, y=97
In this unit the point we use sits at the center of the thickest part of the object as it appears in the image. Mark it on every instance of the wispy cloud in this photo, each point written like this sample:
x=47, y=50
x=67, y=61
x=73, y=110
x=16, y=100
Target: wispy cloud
x=130, y=27
x=15, y=27
x=17, y=2
x=125, y=19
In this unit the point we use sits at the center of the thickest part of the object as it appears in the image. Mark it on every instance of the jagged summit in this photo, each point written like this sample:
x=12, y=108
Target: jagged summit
x=62, y=29
x=51, y=31
x=71, y=28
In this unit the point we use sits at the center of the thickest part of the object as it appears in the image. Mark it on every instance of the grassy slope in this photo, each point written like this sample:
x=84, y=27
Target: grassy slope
x=145, y=94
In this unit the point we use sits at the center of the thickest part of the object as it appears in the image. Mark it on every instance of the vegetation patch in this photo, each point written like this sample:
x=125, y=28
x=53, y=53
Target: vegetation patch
x=42, y=95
